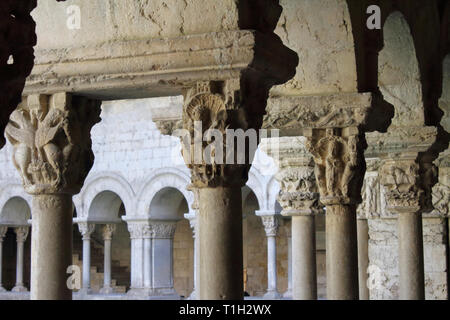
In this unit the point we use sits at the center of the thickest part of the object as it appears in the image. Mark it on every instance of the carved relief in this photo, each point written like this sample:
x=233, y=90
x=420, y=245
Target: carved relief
x=339, y=165
x=370, y=207
x=400, y=178
x=298, y=191
x=332, y=111
x=21, y=233
x=167, y=127
x=136, y=229
x=86, y=229
x=52, y=144
x=213, y=106
x=270, y=225
x=3, y=230
x=441, y=199
x=108, y=230
x=163, y=230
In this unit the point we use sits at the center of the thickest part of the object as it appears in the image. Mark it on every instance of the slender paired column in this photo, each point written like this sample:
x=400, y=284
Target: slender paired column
x=148, y=258
x=52, y=152
x=339, y=171
x=86, y=229
x=3, y=230
x=139, y=259
x=162, y=257
x=108, y=231
x=288, y=293
x=363, y=256
x=270, y=223
x=370, y=207
x=21, y=237
x=193, y=223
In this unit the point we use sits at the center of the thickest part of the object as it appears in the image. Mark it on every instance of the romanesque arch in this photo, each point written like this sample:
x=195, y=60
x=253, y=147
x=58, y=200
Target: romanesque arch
x=109, y=184
x=160, y=179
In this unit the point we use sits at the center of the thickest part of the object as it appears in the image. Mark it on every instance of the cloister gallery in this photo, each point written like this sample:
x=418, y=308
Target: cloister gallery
x=346, y=196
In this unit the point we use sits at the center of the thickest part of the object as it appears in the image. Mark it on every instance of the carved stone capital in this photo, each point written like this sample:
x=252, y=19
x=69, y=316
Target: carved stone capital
x=86, y=229
x=210, y=110
x=52, y=143
x=270, y=225
x=192, y=222
x=163, y=229
x=21, y=233
x=401, y=181
x=298, y=191
x=108, y=230
x=3, y=230
x=339, y=164
x=168, y=126
x=136, y=229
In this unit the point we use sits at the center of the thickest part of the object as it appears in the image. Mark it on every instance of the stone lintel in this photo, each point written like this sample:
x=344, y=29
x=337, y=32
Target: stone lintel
x=400, y=141
x=157, y=67
x=292, y=114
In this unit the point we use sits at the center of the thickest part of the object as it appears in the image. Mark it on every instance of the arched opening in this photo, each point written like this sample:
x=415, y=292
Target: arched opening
x=106, y=208
x=15, y=213
x=169, y=205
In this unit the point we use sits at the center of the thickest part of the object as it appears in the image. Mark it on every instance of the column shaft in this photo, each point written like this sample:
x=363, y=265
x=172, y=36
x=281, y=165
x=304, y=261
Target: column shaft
x=107, y=264
x=341, y=252
x=220, y=244
x=363, y=257
x=271, y=264
x=411, y=265
x=86, y=264
x=148, y=263
x=1, y=257
x=19, y=264
x=51, y=246
x=304, y=277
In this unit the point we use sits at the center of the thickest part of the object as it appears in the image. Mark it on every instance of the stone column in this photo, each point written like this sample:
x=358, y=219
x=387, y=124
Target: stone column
x=339, y=171
x=407, y=176
x=363, y=256
x=86, y=230
x=21, y=237
x=288, y=293
x=52, y=152
x=138, y=230
x=403, y=196
x=209, y=111
x=193, y=223
x=148, y=258
x=369, y=207
x=162, y=257
x=299, y=199
x=3, y=230
x=108, y=231
x=270, y=222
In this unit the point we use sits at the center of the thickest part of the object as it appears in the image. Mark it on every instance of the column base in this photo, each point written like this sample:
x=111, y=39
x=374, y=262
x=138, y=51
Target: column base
x=85, y=291
x=106, y=290
x=272, y=295
x=288, y=294
x=19, y=288
x=192, y=296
